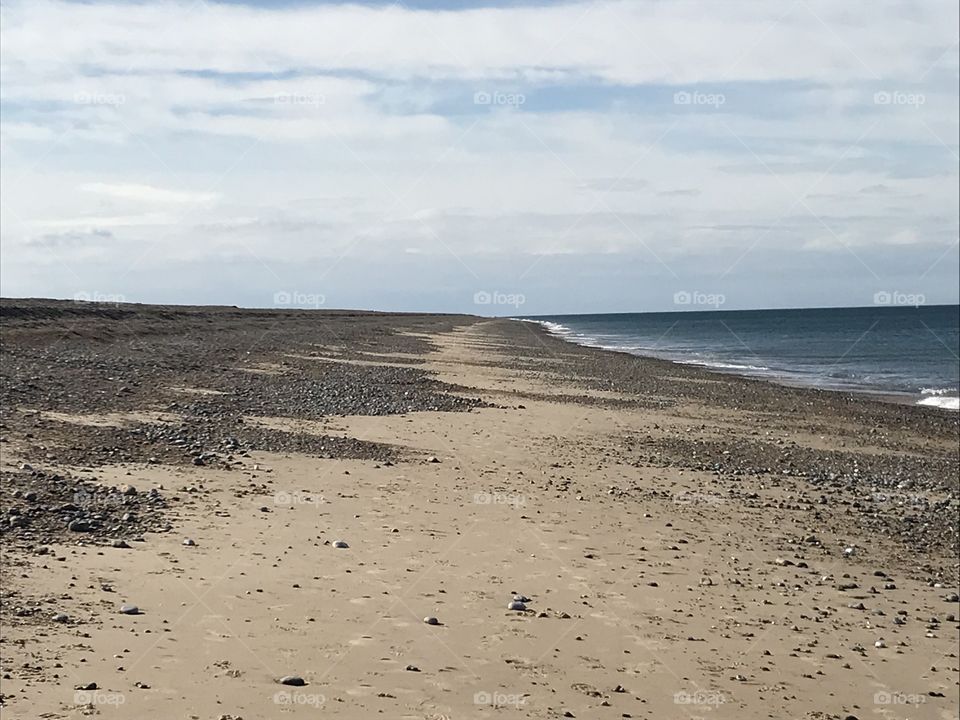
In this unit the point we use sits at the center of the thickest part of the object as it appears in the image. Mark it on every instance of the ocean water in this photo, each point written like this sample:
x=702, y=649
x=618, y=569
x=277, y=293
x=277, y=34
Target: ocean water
x=903, y=351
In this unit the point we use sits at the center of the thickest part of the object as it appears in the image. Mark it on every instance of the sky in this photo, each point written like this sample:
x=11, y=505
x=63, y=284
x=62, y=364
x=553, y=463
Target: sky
x=498, y=158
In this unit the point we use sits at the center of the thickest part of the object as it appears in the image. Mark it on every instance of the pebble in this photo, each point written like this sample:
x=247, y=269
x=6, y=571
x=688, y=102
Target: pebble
x=516, y=605
x=189, y=542
x=126, y=609
x=121, y=544
x=430, y=620
x=61, y=618
x=294, y=680
x=340, y=544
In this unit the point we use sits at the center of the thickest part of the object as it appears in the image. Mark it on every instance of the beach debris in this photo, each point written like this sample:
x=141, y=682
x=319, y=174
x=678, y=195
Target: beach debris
x=412, y=668
x=121, y=544
x=433, y=459
x=340, y=544
x=849, y=551
x=516, y=605
x=431, y=620
x=61, y=618
x=128, y=609
x=521, y=598
x=189, y=542
x=294, y=680
x=953, y=597
x=86, y=686
x=880, y=643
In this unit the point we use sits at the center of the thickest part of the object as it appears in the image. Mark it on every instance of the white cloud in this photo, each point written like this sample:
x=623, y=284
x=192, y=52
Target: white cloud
x=628, y=41
x=147, y=193
x=296, y=134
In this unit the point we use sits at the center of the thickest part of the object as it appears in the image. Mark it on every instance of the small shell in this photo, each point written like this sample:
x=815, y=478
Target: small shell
x=340, y=544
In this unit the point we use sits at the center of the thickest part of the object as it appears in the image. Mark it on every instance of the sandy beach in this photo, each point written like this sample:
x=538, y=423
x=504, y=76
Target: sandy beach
x=681, y=544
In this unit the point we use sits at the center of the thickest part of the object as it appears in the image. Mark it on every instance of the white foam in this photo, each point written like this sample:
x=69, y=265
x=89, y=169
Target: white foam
x=945, y=403
x=937, y=391
x=723, y=366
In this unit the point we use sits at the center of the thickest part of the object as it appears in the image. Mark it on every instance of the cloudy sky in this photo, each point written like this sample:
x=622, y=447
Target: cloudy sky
x=572, y=157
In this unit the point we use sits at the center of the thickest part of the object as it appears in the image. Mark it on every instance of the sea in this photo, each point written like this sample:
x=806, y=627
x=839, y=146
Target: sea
x=910, y=353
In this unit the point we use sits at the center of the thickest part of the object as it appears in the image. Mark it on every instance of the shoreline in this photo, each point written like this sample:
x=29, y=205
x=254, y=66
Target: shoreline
x=688, y=543
x=898, y=398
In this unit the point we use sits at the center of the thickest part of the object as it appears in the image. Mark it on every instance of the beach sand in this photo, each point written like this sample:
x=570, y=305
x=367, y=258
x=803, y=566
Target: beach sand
x=677, y=533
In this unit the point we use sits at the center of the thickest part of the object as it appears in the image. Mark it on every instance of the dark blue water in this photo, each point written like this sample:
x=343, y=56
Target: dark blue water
x=907, y=351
